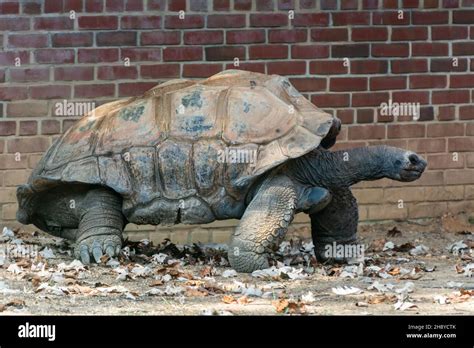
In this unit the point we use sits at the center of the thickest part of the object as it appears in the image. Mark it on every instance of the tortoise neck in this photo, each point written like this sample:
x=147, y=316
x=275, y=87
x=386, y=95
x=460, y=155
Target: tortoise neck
x=339, y=168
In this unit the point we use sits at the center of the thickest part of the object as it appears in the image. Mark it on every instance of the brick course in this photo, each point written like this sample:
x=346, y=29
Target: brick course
x=347, y=57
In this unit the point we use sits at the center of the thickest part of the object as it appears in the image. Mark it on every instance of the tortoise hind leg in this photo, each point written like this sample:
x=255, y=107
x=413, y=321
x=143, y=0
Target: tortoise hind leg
x=100, y=226
x=264, y=222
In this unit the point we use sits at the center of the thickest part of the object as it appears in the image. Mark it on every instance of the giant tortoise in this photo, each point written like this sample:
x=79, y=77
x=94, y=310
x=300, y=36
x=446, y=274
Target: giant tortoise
x=236, y=145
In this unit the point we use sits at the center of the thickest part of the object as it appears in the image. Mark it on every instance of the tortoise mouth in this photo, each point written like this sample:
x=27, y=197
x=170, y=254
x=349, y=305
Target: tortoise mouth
x=411, y=174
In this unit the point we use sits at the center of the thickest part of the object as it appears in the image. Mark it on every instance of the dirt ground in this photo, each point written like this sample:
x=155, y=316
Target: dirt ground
x=418, y=267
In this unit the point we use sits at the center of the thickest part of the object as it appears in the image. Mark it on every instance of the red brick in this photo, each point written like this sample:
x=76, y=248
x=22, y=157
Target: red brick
x=9, y=58
x=366, y=132
x=430, y=3
x=331, y=35
x=390, y=50
x=411, y=97
x=330, y=100
x=97, y=55
x=226, y=21
x=461, y=144
x=132, y=89
x=309, y=84
x=287, y=35
x=134, y=5
x=188, y=22
x=350, y=18
x=242, y=5
x=429, y=49
x=448, y=32
x=50, y=127
x=430, y=17
x=7, y=128
x=256, y=67
x=328, y=4
x=410, y=3
x=428, y=81
x=406, y=131
x=311, y=20
x=114, y=5
x=28, y=128
x=117, y=38
x=463, y=48
x=72, y=39
x=369, y=99
x=201, y=70
x=450, y=3
x=466, y=112
x=390, y=18
x=368, y=66
x=51, y=6
x=265, y=5
x=29, y=74
x=446, y=65
x=68, y=124
x=116, y=72
x=268, y=52
x=309, y=51
x=160, y=38
x=27, y=109
x=245, y=36
x=268, y=20
x=221, y=5
x=31, y=7
x=287, y=68
x=28, y=40
x=369, y=34
x=225, y=53
x=98, y=22
x=76, y=73
x=370, y=4
x=450, y=97
x=445, y=161
x=75, y=5
x=365, y=116
x=203, y=37
x=94, y=5
x=50, y=92
x=94, y=90
x=159, y=5
x=27, y=145
x=463, y=17
x=182, y=53
x=9, y=7
x=53, y=23
x=350, y=50
x=403, y=66
x=445, y=130
x=446, y=113
x=140, y=22
x=286, y=4
x=460, y=81
x=176, y=5
x=388, y=82
x=470, y=131
x=14, y=24
x=339, y=84
x=54, y=56
x=349, y=4
x=427, y=145
x=159, y=71
x=409, y=34
x=347, y=117
x=327, y=67
x=141, y=54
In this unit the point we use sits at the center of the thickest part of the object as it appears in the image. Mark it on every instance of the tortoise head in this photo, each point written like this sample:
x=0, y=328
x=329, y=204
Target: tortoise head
x=402, y=165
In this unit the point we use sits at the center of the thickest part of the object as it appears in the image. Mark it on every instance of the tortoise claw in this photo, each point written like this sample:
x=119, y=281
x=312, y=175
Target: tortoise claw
x=84, y=255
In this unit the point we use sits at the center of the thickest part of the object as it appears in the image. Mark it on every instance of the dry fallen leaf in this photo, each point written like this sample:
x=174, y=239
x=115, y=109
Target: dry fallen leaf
x=376, y=299
x=156, y=282
x=228, y=299
x=196, y=292
x=288, y=306
x=394, y=271
x=243, y=300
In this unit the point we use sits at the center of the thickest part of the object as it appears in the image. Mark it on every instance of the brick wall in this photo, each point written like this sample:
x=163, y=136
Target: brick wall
x=408, y=51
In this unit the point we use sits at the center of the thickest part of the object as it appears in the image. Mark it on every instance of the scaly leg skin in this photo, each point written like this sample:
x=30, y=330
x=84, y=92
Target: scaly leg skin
x=100, y=226
x=337, y=223
x=263, y=224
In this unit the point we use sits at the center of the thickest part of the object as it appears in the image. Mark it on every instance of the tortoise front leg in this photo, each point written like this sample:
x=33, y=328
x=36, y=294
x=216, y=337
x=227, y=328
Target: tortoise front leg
x=263, y=224
x=100, y=226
